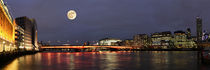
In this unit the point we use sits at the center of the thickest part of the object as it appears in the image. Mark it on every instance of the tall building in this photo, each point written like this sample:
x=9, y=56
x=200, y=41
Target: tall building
x=19, y=37
x=34, y=34
x=199, y=29
x=7, y=30
x=30, y=32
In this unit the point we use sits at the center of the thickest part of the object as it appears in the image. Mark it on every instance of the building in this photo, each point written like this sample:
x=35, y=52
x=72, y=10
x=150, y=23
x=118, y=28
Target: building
x=156, y=40
x=34, y=35
x=127, y=42
x=109, y=42
x=199, y=29
x=194, y=38
x=162, y=40
x=181, y=41
x=7, y=30
x=188, y=33
x=30, y=32
x=205, y=36
x=166, y=40
x=19, y=37
x=141, y=40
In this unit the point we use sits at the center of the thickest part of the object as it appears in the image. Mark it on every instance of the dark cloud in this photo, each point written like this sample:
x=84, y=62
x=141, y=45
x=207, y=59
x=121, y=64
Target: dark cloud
x=116, y=18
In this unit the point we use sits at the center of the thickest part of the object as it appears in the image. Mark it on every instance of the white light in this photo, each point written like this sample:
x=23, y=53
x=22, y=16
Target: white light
x=21, y=47
x=71, y=14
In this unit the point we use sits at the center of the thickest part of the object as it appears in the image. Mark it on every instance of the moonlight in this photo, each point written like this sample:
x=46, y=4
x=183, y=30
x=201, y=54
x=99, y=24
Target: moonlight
x=71, y=14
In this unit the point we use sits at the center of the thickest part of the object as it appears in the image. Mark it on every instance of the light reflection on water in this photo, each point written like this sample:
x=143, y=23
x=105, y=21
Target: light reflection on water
x=146, y=60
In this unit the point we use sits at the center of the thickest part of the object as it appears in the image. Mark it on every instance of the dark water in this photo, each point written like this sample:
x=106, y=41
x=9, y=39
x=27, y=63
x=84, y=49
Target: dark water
x=145, y=60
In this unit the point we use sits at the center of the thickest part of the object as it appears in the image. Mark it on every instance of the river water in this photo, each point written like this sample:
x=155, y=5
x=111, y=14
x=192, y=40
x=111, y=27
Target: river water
x=144, y=60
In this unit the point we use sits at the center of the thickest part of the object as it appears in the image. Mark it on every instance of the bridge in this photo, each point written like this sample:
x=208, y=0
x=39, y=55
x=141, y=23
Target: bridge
x=80, y=47
x=69, y=47
x=63, y=47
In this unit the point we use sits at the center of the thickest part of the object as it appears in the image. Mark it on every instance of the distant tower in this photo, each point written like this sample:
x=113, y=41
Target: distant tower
x=199, y=29
x=188, y=33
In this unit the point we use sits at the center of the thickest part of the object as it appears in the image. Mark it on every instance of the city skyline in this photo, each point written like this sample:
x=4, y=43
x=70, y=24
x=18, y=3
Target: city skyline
x=92, y=25
x=104, y=35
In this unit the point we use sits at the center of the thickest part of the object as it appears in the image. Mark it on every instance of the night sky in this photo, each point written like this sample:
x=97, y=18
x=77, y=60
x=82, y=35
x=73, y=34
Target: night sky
x=110, y=18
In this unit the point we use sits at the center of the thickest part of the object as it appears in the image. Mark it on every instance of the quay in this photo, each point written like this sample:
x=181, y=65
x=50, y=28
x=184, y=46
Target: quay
x=6, y=57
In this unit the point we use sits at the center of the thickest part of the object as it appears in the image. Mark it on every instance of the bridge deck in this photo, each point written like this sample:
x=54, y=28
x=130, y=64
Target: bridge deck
x=80, y=47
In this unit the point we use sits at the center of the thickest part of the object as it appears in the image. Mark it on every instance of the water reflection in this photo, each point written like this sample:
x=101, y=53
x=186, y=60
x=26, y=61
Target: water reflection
x=12, y=66
x=124, y=60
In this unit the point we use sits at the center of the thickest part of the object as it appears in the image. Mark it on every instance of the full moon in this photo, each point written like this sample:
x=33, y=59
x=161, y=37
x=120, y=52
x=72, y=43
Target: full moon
x=71, y=14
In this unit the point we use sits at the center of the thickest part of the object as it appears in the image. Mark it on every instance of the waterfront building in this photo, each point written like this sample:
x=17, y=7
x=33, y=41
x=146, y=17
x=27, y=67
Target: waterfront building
x=166, y=38
x=35, y=35
x=199, y=29
x=128, y=42
x=181, y=41
x=109, y=41
x=7, y=30
x=161, y=40
x=30, y=32
x=141, y=40
x=156, y=40
x=19, y=37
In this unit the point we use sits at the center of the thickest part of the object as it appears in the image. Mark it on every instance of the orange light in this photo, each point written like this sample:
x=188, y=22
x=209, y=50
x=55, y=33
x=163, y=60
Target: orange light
x=7, y=27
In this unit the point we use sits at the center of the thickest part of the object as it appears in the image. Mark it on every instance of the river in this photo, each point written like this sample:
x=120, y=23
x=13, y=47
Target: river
x=122, y=60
